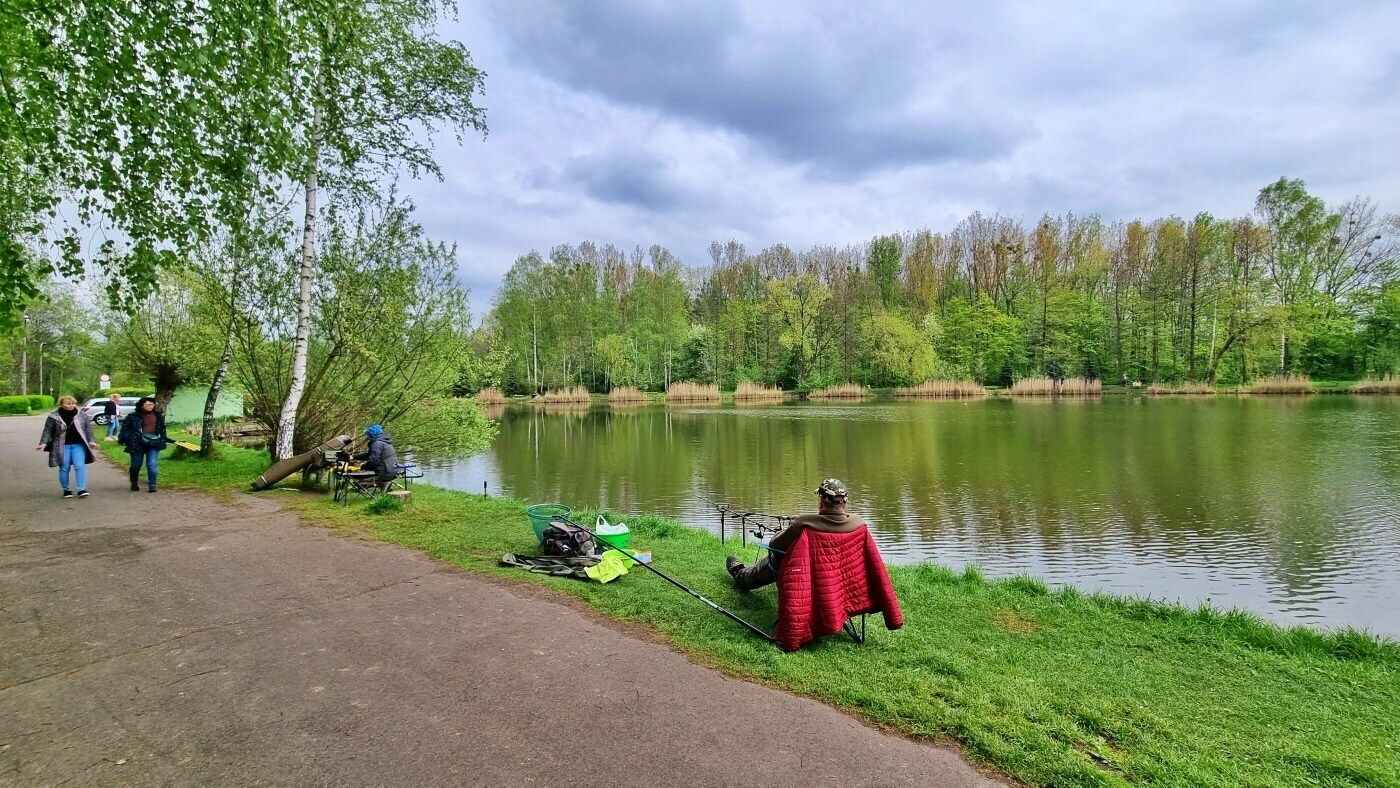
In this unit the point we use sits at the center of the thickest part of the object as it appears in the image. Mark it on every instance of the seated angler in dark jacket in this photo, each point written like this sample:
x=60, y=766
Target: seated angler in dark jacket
x=380, y=456
x=831, y=517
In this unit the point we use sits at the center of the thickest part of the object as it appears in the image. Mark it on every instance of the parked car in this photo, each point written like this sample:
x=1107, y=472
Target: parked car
x=93, y=408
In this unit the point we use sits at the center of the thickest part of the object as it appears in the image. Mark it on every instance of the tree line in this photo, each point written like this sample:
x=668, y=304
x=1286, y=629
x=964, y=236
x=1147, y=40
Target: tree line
x=1294, y=287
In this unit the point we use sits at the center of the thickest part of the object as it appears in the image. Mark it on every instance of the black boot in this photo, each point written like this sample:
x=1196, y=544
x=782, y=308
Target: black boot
x=747, y=578
x=135, y=484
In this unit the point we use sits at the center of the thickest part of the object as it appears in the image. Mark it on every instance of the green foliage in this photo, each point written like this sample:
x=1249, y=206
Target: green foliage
x=900, y=354
x=1380, y=334
x=798, y=300
x=1301, y=286
x=388, y=332
x=384, y=504
x=14, y=406
x=443, y=427
x=884, y=263
x=40, y=402
x=975, y=341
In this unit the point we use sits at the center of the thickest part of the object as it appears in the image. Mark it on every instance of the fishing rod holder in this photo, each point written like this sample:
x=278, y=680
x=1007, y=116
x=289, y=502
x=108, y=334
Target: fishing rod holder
x=759, y=524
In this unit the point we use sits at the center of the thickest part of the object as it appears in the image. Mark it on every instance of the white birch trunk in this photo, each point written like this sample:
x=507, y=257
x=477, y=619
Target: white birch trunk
x=287, y=420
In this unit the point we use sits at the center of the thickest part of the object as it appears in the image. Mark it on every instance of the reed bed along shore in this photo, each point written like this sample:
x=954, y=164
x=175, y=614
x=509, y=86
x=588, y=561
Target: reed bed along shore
x=1049, y=387
x=750, y=392
x=948, y=389
x=685, y=391
x=621, y=394
x=1189, y=388
x=573, y=395
x=1390, y=384
x=1290, y=383
x=491, y=396
x=843, y=391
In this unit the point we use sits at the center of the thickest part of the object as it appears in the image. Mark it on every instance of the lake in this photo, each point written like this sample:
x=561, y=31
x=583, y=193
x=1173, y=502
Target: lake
x=1289, y=507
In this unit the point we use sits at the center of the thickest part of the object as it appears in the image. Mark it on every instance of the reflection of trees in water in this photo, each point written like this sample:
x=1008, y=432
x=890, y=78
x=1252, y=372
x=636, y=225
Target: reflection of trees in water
x=584, y=457
x=1223, y=482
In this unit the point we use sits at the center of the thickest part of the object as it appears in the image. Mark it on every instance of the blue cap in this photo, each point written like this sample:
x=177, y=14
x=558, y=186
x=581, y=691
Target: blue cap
x=374, y=430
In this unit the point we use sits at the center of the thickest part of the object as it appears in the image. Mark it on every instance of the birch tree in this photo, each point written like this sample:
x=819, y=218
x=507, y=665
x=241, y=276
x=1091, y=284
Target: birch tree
x=378, y=75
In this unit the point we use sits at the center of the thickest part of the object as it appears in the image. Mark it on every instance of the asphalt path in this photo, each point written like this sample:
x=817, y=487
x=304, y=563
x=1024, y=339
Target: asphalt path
x=176, y=639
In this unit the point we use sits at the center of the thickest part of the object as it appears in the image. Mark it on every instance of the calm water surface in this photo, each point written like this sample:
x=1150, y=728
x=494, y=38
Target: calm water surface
x=1288, y=507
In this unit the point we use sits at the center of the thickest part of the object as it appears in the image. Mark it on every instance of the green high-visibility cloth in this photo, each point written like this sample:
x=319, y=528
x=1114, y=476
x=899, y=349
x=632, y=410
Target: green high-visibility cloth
x=612, y=566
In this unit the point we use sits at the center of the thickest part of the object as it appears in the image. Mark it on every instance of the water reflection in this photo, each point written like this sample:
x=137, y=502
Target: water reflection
x=1286, y=506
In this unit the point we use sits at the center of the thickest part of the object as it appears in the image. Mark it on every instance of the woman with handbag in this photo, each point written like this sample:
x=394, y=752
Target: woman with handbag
x=69, y=441
x=143, y=436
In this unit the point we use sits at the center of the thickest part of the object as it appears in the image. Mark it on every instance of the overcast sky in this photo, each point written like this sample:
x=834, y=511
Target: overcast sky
x=807, y=123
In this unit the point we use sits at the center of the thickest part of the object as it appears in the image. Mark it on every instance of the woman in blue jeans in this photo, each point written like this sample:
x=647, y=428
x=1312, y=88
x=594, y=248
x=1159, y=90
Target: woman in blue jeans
x=143, y=436
x=69, y=441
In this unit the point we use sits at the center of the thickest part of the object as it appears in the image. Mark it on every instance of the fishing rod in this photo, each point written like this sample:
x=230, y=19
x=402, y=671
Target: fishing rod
x=678, y=584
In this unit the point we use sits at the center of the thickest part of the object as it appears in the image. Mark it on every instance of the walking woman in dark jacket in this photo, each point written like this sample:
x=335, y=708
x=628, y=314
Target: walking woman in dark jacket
x=143, y=436
x=69, y=441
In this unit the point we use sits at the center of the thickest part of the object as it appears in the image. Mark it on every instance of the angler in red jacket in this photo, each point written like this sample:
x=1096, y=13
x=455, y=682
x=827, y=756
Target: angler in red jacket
x=831, y=517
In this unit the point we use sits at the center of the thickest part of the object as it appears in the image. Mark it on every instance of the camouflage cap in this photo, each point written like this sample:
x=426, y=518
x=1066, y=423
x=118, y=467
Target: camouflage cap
x=831, y=488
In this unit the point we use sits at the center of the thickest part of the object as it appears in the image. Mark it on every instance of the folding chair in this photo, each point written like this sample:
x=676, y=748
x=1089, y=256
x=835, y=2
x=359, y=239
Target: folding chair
x=364, y=483
x=846, y=578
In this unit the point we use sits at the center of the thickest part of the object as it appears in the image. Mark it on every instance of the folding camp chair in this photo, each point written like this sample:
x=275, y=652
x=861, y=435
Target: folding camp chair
x=849, y=581
x=366, y=484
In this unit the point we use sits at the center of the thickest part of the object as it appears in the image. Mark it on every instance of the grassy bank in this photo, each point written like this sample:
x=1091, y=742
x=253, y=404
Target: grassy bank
x=1051, y=687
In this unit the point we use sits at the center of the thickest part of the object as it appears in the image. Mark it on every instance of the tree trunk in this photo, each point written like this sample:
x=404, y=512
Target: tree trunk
x=1191, y=345
x=166, y=380
x=287, y=420
x=206, y=434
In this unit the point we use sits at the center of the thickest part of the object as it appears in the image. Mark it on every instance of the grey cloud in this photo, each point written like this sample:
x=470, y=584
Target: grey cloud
x=844, y=106
x=636, y=179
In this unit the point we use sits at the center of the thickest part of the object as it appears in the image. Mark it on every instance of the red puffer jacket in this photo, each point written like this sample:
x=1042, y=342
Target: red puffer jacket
x=825, y=579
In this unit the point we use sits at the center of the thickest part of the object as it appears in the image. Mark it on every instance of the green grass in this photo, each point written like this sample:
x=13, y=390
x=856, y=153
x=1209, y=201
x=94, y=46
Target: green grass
x=1051, y=687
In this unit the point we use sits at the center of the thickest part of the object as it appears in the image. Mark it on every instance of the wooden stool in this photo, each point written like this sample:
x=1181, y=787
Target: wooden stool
x=402, y=495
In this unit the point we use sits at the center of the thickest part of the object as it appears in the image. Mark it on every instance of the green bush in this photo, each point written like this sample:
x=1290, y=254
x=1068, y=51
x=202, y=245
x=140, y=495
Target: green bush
x=384, y=504
x=40, y=402
x=14, y=405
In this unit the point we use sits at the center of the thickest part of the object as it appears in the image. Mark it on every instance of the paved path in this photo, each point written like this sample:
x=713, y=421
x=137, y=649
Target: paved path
x=171, y=639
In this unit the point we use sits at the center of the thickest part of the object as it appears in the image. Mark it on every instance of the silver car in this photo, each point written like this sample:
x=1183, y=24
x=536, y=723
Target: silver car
x=93, y=408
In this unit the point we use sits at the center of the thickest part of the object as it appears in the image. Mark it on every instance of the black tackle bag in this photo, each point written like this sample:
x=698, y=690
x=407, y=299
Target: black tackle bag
x=566, y=541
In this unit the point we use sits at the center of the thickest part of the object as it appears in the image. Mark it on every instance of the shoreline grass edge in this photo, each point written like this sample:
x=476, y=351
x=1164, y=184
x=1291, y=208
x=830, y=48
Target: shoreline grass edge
x=1048, y=686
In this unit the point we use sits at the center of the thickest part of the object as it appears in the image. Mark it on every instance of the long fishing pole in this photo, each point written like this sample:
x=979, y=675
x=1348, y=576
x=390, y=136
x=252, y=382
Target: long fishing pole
x=678, y=584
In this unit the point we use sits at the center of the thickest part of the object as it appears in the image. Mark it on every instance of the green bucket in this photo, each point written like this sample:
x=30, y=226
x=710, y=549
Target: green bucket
x=616, y=540
x=542, y=513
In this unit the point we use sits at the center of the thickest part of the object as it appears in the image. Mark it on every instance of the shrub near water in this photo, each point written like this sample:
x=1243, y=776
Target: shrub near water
x=491, y=396
x=1048, y=387
x=1189, y=388
x=843, y=391
x=573, y=395
x=1290, y=383
x=754, y=391
x=685, y=391
x=626, y=394
x=1390, y=384
x=952, y=389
